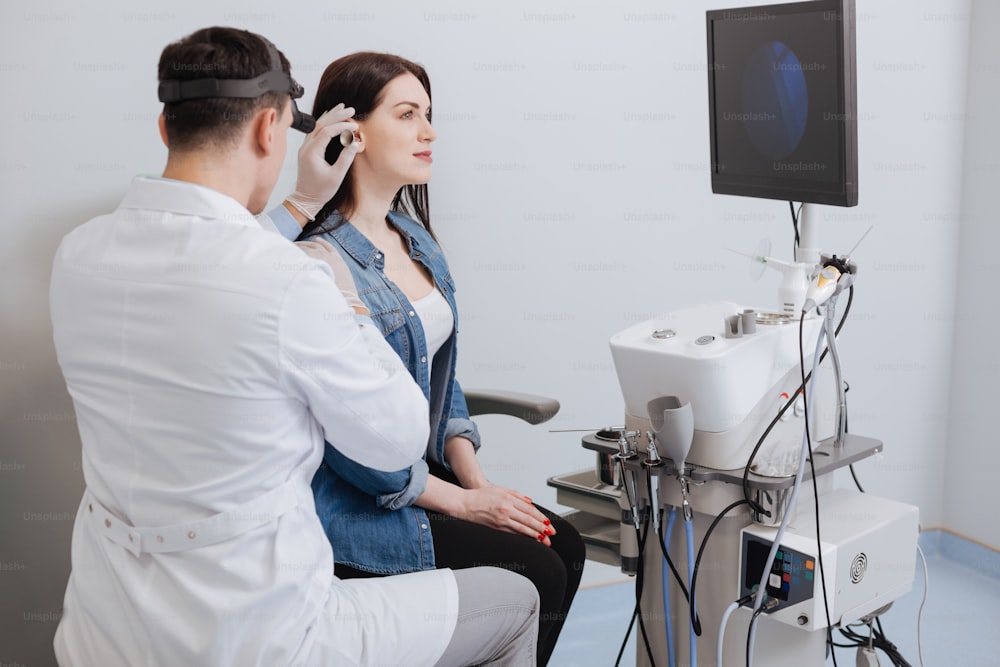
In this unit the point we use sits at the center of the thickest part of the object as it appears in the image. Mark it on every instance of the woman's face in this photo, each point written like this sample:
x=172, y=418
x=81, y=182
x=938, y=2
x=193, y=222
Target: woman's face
x=397, y=134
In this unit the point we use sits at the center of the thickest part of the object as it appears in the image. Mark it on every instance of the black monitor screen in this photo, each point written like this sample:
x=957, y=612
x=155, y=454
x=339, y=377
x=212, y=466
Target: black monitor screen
x=782, y=102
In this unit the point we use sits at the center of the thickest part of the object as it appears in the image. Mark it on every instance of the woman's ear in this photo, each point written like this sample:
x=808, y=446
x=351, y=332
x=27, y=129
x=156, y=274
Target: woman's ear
x=359, y=140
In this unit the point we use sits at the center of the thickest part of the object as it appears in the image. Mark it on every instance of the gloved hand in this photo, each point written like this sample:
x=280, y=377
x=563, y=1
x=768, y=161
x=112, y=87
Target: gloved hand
x=324, y=252
x=317, y=180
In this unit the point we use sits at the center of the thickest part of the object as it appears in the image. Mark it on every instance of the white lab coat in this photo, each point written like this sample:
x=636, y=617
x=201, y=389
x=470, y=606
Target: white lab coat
x=205, y=358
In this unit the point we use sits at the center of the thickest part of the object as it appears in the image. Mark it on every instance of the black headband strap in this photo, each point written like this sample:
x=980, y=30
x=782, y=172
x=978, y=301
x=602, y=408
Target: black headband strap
x=275, y=80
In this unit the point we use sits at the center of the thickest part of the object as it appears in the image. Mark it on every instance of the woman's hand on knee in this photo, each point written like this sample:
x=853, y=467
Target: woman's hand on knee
x=507, y=510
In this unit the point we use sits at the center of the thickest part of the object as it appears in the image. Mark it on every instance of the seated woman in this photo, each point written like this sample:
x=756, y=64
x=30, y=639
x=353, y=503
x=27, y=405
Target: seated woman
x=443, y=511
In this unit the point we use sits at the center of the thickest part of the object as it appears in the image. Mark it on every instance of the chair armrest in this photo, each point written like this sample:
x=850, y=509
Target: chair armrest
x=532, y=409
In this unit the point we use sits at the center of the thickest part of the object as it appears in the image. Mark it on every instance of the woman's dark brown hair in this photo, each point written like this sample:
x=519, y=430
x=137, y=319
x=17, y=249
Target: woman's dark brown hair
x=358, y=80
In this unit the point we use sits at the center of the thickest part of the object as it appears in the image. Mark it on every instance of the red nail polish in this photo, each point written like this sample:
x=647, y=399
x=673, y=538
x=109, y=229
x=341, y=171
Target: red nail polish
x=541, y=538
x=547, y=522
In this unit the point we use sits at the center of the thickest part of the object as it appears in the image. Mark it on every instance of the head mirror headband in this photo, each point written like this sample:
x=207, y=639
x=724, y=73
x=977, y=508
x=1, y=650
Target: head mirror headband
x=276, y=80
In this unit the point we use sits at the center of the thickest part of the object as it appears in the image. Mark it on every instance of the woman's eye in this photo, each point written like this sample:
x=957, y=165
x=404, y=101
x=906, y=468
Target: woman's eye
x=408, y=115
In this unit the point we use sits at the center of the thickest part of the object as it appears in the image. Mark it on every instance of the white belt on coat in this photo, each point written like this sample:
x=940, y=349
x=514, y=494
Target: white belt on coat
x=183, y=536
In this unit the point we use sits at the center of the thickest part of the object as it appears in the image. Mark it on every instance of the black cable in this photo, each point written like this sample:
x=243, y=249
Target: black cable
x=637, y=611
x=888, y=647
x=753, y=621
x=812, y=469
x=663, y=548
x=638, y=594
x=625, y=641
x=639, y=577
x=878, y=641
x=677, y=576
x=795, y=225
x=695, y=622
x=855, y=476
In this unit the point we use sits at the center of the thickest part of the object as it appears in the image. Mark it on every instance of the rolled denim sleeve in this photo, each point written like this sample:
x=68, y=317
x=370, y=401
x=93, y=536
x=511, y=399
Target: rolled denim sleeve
x=459, y=423
x=391, y=490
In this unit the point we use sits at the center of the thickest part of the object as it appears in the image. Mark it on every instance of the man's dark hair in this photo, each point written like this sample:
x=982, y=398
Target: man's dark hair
x=216, y=53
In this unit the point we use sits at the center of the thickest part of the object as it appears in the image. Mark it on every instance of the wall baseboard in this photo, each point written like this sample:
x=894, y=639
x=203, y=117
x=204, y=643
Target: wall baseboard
x=941, y=542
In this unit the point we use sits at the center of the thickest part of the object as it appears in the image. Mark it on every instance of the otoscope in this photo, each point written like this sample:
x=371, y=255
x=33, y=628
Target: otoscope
x=628, y=502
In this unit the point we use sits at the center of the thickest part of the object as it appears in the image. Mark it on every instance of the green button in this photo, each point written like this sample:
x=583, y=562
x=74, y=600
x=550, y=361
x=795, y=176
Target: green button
x=809, y=575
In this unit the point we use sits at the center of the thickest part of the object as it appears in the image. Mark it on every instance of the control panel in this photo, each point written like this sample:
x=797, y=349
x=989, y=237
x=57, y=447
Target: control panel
x=792, y=573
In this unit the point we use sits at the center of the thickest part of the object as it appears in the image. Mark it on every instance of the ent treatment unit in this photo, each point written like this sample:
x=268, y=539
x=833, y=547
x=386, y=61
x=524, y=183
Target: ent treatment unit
x=719, y=491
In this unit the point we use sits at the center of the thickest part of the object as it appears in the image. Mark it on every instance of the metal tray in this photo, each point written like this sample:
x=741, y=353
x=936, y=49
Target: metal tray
x=582, y=490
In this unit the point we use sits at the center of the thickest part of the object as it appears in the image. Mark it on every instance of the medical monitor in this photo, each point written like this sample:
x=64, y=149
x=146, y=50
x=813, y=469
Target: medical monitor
x=782, y=97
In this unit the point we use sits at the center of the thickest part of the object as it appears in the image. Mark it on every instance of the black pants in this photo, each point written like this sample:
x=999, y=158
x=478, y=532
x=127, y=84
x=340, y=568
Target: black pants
x=554, y=570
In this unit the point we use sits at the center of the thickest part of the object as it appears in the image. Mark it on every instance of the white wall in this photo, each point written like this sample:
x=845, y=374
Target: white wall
x=571, y=192
x=971, y=490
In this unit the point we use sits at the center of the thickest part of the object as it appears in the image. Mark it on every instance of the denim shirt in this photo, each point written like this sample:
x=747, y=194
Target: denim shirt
x=369, y=515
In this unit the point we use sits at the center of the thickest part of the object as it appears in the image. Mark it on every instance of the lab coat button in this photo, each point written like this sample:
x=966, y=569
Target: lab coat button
x=159, y=538
x=191, y=535
x=107, y=522
x=90, y=507
x=130, y=538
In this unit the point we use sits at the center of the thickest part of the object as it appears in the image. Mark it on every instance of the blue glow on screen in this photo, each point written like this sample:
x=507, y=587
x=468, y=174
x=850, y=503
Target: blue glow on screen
x=775, y=100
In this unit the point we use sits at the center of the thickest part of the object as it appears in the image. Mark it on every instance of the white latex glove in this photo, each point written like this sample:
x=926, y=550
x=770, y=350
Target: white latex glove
x=324, y=252
x=318, y=180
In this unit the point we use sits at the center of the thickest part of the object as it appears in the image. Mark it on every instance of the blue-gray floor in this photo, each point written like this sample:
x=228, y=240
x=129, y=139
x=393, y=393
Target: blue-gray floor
x=958, y=626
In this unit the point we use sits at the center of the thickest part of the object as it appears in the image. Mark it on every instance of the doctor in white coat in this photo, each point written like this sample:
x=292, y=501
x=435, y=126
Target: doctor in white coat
x=207, y=358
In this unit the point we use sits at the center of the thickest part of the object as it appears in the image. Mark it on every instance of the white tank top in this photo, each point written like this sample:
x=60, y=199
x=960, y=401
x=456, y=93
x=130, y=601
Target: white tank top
x=436, y=319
